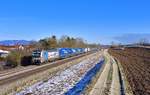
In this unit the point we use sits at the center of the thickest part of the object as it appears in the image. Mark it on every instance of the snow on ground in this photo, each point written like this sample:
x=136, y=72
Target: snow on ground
x=62, y=81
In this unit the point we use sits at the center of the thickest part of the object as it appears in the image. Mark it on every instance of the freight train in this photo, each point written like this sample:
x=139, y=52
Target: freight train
x=41, y=56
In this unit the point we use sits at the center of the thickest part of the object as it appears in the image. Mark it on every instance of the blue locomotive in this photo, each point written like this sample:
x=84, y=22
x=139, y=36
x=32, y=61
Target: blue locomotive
x=41, y=56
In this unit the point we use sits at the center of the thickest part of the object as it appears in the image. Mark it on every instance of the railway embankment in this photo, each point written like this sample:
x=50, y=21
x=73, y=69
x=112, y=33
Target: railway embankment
x=22, y=83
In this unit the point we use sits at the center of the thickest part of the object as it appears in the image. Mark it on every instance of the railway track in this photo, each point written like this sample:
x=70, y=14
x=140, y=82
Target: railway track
x=10, y=77
x=14, y=70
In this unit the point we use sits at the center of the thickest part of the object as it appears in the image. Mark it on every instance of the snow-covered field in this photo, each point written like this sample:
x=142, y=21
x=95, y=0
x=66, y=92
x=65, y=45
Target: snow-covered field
x=62, y=81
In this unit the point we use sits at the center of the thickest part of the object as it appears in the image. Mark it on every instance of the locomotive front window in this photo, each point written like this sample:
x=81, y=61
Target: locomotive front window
x=36, y=55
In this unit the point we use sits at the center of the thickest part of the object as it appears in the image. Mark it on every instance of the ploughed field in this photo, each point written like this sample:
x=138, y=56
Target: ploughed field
x=136, y=65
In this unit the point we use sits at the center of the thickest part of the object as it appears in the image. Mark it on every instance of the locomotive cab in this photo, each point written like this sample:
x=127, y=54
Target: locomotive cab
x=39, y=56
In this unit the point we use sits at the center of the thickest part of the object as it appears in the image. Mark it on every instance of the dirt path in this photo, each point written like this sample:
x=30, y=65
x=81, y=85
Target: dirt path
x=109, y=74
x=101, y=83
x=115, y=86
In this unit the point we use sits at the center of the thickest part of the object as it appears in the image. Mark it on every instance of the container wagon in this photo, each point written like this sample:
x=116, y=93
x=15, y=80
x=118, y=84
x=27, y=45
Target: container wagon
x=40, y=56
x=53, y=54
x=63, y=53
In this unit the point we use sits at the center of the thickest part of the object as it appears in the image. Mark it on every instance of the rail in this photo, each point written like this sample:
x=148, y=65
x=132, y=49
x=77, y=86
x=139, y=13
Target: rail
x=25, y=73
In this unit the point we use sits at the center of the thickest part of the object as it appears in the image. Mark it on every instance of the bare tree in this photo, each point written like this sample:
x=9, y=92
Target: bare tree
x=52, y=41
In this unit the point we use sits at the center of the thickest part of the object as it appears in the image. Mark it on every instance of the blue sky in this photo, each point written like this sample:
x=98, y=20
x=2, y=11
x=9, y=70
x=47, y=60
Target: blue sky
x=98, y=21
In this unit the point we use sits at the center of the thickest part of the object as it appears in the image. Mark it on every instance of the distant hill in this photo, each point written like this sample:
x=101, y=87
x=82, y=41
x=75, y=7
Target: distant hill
x=14, y=42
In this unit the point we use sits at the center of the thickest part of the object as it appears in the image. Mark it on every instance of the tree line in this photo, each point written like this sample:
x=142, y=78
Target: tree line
x=64, y=41
x=23, y=57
